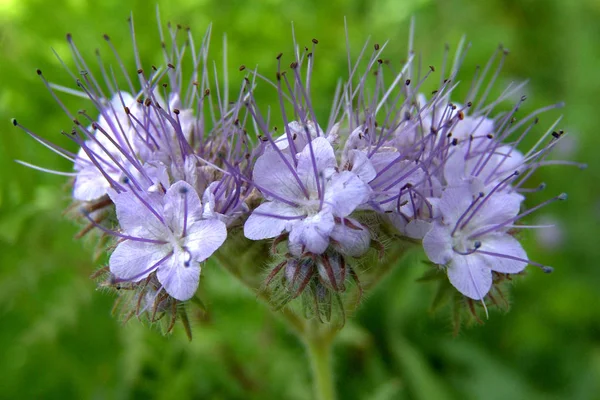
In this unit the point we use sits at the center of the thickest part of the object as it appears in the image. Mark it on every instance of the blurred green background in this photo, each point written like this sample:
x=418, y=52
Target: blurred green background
x=59, y=340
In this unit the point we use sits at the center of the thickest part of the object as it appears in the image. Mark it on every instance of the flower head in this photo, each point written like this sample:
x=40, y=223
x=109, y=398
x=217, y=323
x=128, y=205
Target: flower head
x=167, y=235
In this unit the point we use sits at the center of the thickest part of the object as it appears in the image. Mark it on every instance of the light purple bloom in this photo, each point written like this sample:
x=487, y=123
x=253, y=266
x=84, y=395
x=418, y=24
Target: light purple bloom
x=306, y=199
x=469, y=237
x=164, y=234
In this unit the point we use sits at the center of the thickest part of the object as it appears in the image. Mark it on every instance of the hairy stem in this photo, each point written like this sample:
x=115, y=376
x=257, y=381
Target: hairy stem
x=319, y=349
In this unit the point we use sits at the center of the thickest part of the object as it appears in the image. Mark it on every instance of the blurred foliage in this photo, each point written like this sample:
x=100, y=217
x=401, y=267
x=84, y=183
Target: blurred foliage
x=59, y=339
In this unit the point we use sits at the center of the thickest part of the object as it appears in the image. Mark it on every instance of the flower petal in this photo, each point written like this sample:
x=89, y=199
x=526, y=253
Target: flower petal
x=345, y=192
x=204, y=238
x=180, y=276
x=321, y=151
x=136, y=219
x=264, y=223
x=437, y=244
x=313, y=232
x=134, y=261
x=273, y=175
x=353, y=239
x=182, y=206
x=470, y=275
x=507, y=245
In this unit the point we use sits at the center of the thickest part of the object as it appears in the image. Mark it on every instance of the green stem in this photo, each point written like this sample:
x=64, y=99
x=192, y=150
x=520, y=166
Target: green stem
x=320, y=355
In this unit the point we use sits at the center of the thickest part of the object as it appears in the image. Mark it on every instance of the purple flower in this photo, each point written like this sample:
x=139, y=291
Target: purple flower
x=164, y=234
x=307, y=197
x=470, y=237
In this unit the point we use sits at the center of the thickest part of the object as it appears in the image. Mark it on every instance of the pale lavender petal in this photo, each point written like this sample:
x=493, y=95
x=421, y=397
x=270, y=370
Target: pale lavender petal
x=180, y=276
x=136, y=219
x=90, y=184
x=313, y=232
x=498, y=208
x=437, y=244
x=204, y=238
x=264, y=224
x=361, y=165
x=272, y=174
x=345, y=193
x=470, y=275
x=353, y=239
x=182, y=207
x=321, y=156
x=133, y=260
x=454, y=202
x=504, y=244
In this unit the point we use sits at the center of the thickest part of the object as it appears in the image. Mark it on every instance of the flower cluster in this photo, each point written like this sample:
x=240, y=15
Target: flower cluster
x=169, y=170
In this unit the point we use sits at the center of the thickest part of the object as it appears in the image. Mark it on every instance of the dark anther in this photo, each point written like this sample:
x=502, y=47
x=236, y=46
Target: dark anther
x=376, y=46
x=242, y=67
x=315, y=41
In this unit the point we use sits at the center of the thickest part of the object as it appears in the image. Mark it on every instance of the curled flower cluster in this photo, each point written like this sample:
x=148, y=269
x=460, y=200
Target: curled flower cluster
x=169, y=169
